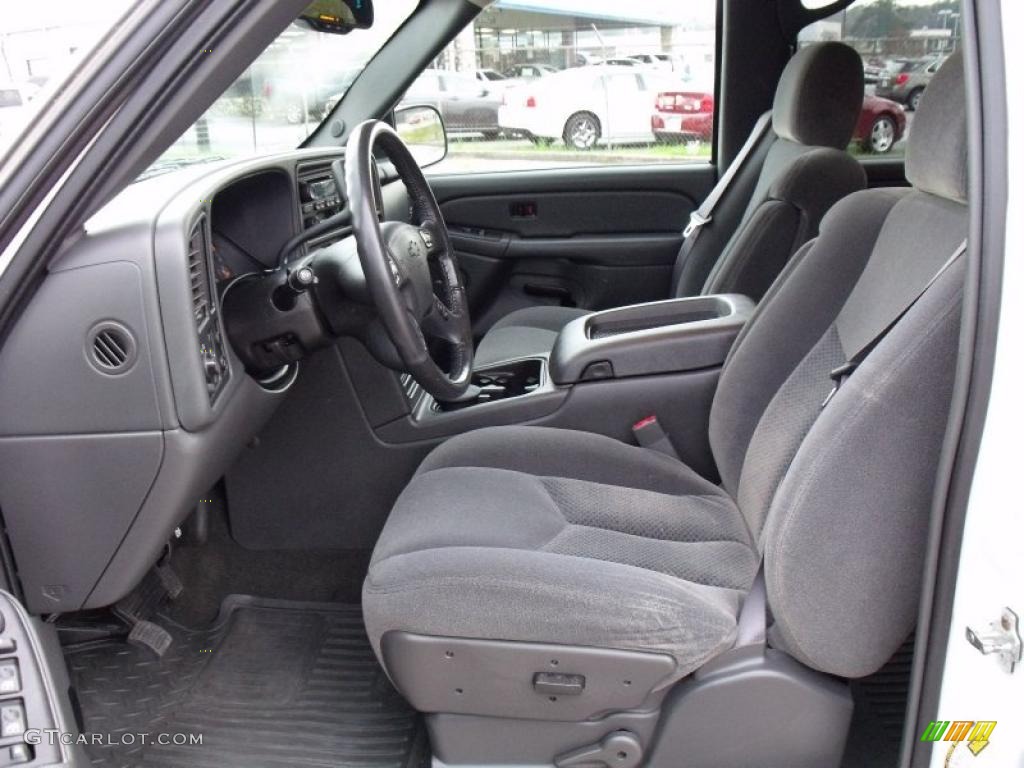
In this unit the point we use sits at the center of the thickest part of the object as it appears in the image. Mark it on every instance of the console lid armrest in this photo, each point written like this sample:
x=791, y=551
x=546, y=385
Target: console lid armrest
x=644, y=339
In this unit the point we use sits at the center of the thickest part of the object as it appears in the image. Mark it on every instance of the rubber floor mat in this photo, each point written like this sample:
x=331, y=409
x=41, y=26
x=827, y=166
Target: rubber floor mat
x=269, y=684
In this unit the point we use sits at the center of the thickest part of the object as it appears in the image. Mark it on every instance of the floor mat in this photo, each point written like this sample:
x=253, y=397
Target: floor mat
x=271, y=683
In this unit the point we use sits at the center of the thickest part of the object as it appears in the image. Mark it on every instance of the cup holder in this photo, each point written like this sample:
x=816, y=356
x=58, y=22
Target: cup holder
x=500, y=382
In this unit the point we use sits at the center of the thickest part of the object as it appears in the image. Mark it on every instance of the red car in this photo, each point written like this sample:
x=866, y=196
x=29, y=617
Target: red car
x=882, y=123
x=689, y=115
x=683, y=116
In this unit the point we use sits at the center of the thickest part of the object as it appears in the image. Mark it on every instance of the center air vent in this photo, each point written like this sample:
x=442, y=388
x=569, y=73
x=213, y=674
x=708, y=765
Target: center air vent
x=111, y=348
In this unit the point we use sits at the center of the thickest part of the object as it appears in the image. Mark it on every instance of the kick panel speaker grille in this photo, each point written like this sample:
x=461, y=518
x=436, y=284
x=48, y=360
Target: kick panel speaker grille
x=111, y=348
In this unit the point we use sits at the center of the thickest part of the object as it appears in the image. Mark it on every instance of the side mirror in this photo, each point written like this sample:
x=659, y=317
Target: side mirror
x=422, y=130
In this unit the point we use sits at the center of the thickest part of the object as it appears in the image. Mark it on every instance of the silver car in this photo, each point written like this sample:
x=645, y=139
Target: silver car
x=907, y=81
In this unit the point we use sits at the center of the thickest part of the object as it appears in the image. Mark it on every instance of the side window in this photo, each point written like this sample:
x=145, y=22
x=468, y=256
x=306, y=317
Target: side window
x=902, y=43
x=539, y=97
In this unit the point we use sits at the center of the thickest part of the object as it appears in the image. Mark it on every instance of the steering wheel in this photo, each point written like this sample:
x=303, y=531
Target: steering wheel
x=409, y=269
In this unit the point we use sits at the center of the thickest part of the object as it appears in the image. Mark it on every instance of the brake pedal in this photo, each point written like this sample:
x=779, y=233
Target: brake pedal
x=146, y=634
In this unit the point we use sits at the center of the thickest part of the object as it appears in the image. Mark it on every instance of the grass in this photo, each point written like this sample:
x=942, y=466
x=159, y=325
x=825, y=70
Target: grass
x=525, y=150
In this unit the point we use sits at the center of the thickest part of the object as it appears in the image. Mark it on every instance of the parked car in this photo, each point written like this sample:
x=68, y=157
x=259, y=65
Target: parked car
x=530, y=71
x=467, y=104
x=657, y=60
x=683, y=116
x=689, y=116
x=489, y=75
x=908, y=81
x=622, y=61
x=585, y=106
x=882, y=123
x=873, y=71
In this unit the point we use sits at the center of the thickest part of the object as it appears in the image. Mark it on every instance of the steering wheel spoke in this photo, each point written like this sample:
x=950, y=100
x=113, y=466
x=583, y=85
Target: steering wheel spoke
x=436, y=245
x=442, y=323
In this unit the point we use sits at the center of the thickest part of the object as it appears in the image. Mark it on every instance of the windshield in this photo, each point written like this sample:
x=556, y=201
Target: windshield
x=283, y=95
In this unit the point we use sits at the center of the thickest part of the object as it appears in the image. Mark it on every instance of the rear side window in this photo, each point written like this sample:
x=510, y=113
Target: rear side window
x=902, y=44
x=583, y=84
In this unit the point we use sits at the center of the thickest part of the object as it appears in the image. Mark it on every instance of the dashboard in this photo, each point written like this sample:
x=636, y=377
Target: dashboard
x=118, y=377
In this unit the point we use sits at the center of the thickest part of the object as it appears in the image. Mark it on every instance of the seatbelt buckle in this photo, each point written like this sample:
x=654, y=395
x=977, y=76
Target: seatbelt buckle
x=697, y=220
x=649, y=434
x=838, y=375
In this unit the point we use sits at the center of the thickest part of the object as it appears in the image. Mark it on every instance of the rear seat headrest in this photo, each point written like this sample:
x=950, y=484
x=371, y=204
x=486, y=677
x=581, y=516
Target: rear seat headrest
x=820, y=95
x=937, y=146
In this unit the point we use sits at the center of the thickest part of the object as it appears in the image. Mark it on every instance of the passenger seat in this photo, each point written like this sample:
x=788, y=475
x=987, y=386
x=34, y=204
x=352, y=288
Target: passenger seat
x=794, y=172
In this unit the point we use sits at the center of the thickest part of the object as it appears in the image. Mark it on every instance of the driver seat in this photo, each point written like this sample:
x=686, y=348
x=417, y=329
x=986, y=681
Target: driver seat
x=543, y=593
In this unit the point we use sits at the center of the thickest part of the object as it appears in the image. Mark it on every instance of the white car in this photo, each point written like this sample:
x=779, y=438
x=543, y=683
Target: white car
x=662, y=61
x=530, y=71
x=622, y=61
x=585, y=106
x=489, y=76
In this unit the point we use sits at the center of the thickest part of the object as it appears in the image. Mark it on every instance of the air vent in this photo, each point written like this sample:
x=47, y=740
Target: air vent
x=111, y=348
x=199, y=279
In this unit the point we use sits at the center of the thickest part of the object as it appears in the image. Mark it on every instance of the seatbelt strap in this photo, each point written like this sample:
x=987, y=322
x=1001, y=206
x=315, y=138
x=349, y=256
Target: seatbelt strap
x=751, y=627
x=702, y=216
x=840, y=374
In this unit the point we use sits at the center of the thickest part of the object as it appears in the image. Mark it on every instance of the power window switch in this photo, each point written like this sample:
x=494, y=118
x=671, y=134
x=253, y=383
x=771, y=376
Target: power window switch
x=7, y=645
x=10, y=677
x=12, y=719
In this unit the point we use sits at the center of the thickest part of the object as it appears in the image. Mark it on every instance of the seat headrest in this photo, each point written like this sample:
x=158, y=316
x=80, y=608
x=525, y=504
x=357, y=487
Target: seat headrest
x=937, y=147
x=820, y=95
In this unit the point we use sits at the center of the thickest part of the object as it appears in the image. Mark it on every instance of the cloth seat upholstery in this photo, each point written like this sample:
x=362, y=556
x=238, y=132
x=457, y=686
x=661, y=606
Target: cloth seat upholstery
x=558, y=536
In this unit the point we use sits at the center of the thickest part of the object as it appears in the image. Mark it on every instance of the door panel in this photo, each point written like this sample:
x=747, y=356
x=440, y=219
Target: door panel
x=585, y=237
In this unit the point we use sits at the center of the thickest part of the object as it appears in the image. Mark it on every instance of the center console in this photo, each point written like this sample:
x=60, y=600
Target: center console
x=499, y=382
x=645, y=339
x=627, y=346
